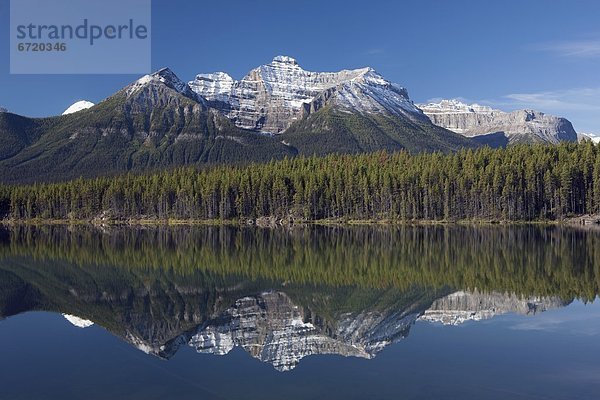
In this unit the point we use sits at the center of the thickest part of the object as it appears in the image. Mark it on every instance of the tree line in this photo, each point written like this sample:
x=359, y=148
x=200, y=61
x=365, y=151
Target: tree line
x=519, y=183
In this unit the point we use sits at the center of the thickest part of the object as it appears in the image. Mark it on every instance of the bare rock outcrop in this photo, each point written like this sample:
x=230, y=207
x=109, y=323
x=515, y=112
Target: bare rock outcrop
x=522, y=126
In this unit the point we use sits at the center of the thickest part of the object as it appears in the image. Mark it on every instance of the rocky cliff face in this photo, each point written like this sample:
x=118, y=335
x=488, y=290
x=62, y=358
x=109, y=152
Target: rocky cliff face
x=271, y=97
x=517, y=126
x=460, y=307
x=273, y=329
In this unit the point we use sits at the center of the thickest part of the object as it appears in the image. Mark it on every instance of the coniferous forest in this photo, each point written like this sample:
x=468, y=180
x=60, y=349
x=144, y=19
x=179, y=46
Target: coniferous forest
x=519, y=183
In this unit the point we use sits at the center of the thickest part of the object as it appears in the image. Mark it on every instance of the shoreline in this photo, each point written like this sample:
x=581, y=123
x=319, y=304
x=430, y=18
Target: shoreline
x=265, y=222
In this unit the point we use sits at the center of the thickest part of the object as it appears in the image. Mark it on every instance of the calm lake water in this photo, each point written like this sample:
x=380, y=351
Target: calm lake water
x=443, y=312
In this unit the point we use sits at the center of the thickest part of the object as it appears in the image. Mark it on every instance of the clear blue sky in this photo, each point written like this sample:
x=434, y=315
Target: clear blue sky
x=510, y=54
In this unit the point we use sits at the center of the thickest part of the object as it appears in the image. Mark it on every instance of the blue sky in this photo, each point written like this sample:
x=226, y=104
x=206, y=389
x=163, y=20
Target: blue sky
x=510, y=54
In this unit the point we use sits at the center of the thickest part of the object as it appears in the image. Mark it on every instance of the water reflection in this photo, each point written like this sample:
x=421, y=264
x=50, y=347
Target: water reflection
x=282, y=295
x=460, y=307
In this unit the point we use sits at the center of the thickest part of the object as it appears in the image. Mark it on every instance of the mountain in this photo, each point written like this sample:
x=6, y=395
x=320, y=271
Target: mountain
x=321, y=112
x=157, y=121
x=278, y=110
x=495, y=127
x=3, y=110
x=78, y=106
x=17, y=133
x=271, y=97
x=335, y=130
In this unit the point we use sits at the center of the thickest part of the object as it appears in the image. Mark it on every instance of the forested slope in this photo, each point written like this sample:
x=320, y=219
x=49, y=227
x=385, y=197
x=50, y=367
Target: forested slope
x=525, y=182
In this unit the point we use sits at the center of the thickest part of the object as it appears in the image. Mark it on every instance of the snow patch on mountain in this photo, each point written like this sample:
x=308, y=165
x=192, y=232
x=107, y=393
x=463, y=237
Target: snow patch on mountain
x=78, y=106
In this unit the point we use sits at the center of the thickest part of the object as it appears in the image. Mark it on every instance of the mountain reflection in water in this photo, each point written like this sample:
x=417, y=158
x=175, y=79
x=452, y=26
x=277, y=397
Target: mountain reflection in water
x=284, y=294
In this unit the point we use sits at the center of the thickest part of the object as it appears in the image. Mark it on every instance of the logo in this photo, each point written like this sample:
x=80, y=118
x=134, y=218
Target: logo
x=80, y=37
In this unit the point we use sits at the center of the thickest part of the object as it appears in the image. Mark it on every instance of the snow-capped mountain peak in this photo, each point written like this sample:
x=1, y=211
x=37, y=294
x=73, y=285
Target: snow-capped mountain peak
x=285, y=60
x=272, y=96
x=78, y=106
x=371, y=92
x=2, y=109
x=168, y=78
x=163, y=75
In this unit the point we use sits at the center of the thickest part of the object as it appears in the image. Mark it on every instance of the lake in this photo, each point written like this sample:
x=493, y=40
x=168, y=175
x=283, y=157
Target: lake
x=315, y=312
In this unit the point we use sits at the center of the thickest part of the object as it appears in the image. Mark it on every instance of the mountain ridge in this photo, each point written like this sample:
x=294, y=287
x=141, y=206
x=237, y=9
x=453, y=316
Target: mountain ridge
x=277, y=110
x=158, y=121
x=272, y=96
x=477, y=121
x=154, y=122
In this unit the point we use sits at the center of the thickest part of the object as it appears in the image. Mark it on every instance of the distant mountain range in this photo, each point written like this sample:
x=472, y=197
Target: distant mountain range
x=490, y=126
x=277, y=110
